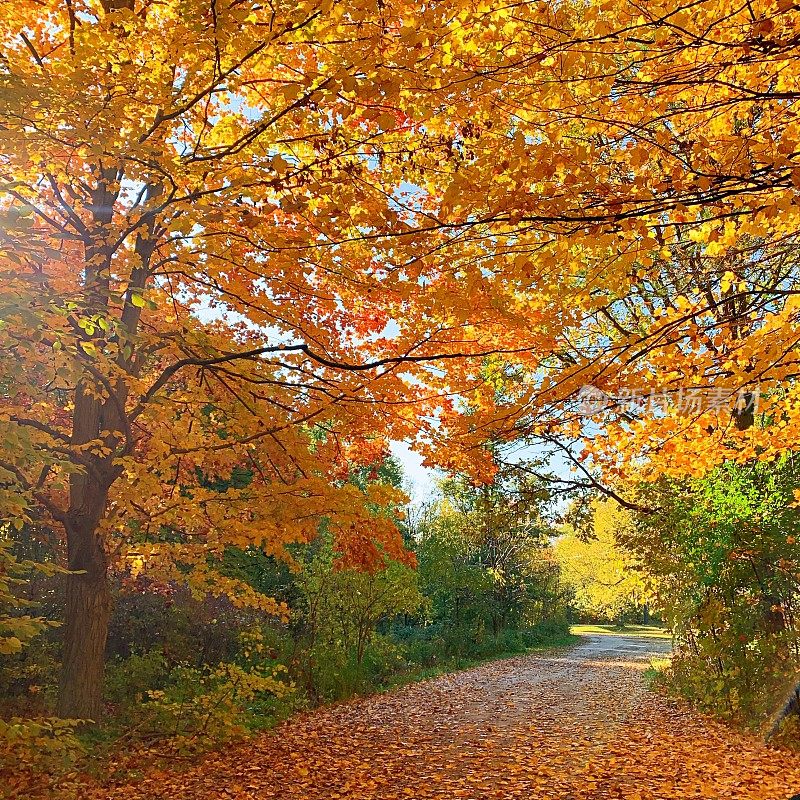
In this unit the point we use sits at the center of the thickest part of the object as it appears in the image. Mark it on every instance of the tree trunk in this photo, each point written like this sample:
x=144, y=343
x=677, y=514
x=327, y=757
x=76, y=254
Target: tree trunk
x=88, y=597
x=99, y=415
x=88, y=609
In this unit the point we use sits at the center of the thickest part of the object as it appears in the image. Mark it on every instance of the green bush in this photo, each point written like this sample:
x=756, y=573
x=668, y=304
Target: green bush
x=199, y=706
x=726, y=555
x=383, y=659
x=423, y=646
x=127, y=680
x=440, y=645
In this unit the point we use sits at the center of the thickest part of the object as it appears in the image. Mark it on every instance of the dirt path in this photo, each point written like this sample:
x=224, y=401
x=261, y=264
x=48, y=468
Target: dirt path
x=569, y=726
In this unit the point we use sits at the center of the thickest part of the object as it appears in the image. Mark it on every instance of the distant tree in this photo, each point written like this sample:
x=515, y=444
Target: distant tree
x=602, y=575
x=484, y=552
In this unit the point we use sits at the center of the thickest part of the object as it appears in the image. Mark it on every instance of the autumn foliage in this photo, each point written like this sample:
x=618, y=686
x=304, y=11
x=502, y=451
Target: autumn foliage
x=246, y=245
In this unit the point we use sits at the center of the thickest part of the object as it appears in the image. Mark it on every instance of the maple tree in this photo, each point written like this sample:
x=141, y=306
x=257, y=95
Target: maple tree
x=186, y=289
x=239, y=236
x=651, y=212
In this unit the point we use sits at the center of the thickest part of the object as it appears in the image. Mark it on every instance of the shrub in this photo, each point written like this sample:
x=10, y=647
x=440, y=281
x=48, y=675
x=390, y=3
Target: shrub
x=210, y=704
x=43, y=744
x=129, y=679
x=725, y=552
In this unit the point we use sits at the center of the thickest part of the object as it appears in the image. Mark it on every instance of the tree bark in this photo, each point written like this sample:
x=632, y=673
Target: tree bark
x=87, y=613
x=88, y=596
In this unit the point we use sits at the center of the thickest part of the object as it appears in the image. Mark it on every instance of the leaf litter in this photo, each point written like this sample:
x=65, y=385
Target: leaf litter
x=574, y=725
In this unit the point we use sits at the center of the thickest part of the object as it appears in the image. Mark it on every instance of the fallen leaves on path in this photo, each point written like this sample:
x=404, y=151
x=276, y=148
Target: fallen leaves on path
x=573, y=726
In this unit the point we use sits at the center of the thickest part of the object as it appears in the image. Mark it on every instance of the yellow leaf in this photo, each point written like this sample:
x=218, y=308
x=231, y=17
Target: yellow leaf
x=725, y=282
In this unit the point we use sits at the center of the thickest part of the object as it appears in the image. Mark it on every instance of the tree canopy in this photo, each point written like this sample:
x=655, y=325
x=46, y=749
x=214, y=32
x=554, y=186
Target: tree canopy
x=263, y=240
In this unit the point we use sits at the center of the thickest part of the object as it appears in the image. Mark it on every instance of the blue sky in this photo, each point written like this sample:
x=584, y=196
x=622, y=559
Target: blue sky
x=420, y=481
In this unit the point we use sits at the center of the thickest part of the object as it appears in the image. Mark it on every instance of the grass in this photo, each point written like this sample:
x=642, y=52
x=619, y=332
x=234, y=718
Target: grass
x=656, y=674
x=644, y=631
